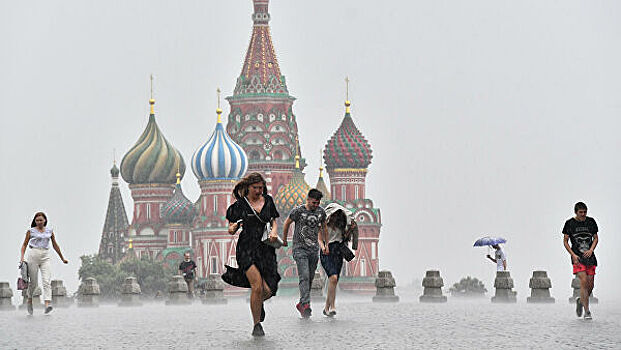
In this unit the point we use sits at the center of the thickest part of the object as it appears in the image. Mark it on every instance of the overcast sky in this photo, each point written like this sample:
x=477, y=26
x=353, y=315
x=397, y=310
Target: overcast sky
x=485, y=117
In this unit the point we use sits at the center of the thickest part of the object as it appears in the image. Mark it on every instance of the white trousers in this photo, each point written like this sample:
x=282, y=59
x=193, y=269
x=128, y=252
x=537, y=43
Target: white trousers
x=39, y=259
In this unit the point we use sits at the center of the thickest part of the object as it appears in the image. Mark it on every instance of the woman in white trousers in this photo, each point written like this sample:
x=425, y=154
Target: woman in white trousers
x=38, y=239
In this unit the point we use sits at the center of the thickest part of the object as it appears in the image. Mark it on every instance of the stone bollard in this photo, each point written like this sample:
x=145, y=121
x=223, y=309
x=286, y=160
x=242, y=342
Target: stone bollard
x=6, y=295
x=89, y=293
x=177, y=291
x=316, y=291
x=130, y=292
x=504, y=285
x=59, y=294
x=36, y=298
x=540, y=285
x=385, y=288
x=575, y=284
x=214, y=291
x=432, y=292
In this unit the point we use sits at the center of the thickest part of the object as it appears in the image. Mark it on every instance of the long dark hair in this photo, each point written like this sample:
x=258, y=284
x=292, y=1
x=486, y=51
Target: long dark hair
x=39, y=213
x=338, y=219
x=241, y=188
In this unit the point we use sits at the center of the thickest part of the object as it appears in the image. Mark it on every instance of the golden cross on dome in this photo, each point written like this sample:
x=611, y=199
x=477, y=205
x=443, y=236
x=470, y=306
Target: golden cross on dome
x=347, y=88
x=297, y=153
x=151, y=85
x=151, y=100
x=218, y=92
x=219, y=110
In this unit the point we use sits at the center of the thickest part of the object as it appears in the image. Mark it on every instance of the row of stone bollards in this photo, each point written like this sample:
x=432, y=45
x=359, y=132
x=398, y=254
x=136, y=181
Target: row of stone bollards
x=130, y=293
x=539, y=285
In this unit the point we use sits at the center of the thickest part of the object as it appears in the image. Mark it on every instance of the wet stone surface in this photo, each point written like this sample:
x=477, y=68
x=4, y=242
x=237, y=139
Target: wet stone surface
x=359, y=324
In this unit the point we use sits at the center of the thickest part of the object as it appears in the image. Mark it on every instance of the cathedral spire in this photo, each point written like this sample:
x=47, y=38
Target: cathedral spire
x=261, y=16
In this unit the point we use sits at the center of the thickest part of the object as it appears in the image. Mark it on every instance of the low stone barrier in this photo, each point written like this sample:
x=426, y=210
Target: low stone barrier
x=504, y=288
x=59, y=294
x=214, y=291
x=89, y=293
x=540, y=285
x=575, y=285
x=130, y=292
x=6, y=297
x=177, y=291
x=432, y=288
x=385, y=288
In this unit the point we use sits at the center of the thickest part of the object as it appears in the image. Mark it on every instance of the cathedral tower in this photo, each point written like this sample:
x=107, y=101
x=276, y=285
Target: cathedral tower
x=261, y=117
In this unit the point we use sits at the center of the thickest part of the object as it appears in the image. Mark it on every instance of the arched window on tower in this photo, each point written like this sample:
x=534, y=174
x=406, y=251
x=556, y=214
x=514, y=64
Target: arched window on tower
x=215, y=204
x=278, y=155
x=255, y=155
x=356, y=192
x=363, y=267
x=343, y=193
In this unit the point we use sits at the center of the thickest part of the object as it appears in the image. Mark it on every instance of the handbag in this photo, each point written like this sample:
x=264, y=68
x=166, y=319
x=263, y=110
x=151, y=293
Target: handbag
x=346, y=252
x=21, y=284
x=265, y=238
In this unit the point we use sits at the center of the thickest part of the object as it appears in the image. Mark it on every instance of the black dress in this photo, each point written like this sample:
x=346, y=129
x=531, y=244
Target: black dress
x=250, y=250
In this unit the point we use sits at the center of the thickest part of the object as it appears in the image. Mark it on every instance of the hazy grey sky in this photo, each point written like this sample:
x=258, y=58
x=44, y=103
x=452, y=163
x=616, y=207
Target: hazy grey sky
x=485, y=117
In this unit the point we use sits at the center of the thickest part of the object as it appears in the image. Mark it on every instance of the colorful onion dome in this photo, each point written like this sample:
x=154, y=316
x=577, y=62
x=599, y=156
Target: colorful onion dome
x=152, y=160
x=178, y=209
x=293, y=193
x=220, y=158
x=347, y=148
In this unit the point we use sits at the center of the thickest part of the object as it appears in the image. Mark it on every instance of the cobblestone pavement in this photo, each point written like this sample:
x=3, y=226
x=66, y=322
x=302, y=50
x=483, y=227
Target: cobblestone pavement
x=359, y=324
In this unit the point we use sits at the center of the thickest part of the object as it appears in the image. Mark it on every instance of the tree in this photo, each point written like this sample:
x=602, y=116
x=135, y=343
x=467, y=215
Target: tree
x=468, y=287
x=151, y=275
x=108, y=276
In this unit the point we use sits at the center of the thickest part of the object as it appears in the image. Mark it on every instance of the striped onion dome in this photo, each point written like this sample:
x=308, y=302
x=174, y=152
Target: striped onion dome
x=347, y=148
x=293, y=193
x=220, y=158
x=152, y=160
x=178, y=209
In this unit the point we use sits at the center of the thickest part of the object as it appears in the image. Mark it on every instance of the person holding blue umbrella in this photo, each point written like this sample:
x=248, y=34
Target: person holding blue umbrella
x=500, y=259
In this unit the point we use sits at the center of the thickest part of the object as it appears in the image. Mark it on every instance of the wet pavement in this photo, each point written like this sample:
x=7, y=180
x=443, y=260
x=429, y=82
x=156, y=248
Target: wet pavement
x=463, y=324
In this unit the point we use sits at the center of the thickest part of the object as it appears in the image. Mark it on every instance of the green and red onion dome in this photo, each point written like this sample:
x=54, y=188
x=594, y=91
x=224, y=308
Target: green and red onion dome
x=347, y=148
x=152, y=160
x=178, y=209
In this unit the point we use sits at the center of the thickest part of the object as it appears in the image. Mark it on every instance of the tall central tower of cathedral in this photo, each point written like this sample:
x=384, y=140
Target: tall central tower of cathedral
x=261, y=118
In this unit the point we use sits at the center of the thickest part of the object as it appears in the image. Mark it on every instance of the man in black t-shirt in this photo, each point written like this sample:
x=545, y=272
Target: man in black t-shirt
x=186, y=269
x=582, y=230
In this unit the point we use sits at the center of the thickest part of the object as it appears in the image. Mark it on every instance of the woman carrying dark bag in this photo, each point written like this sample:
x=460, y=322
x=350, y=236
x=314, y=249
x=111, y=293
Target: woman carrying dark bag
x=341, y=229
x=256, y=258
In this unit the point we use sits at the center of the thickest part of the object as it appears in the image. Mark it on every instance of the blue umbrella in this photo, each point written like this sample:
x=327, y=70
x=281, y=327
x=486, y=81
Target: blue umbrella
x=481, y=242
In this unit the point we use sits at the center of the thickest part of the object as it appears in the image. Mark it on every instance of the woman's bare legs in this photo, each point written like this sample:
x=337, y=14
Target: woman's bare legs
x=259, y=291
x=330, y=299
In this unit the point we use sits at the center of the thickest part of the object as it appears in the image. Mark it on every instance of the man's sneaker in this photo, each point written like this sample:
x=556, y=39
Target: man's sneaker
x=30, y=310
x=587, y=315
x=300, y=308
x=307, y=311
x=578, y=307
x=257, y=331
x=262, y=313
x=48, y=309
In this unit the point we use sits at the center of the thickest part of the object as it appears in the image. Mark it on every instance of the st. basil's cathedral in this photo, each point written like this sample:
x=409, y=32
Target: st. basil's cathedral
x=261, y=135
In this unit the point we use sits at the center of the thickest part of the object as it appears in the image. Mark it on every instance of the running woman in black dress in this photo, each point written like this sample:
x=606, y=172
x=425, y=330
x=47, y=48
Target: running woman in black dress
x=258, y=268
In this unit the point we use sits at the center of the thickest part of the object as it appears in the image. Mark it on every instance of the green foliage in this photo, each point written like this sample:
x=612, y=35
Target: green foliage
x=108, y=276
x=152, y=276
x=468, y=287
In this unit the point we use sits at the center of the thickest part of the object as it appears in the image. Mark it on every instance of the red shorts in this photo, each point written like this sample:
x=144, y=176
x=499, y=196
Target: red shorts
x=590, y=270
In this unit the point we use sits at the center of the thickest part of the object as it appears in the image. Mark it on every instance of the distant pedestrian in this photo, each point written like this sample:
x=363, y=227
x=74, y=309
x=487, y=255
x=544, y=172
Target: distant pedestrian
x=582, y=230
x=341, y=228
x=500, y=259
x=187, y=270
x=309, y=219
x=258, y=268
x=38, y=239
